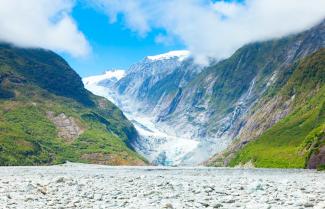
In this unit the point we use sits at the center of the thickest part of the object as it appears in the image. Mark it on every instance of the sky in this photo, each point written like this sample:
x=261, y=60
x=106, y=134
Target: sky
x=97, y=35
x=114, y=46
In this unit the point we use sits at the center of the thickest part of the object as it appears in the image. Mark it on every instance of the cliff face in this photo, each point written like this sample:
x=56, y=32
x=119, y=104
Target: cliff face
x=227, y=101
x=296, y=138
x=152, y=83
x=317, y=159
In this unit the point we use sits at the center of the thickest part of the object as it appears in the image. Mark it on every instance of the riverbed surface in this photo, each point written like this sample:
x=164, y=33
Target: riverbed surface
x=95, y=186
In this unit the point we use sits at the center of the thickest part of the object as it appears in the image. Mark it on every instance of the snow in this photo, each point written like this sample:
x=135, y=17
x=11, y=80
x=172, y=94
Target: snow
x=111, y=74
x=93, y=83
x=174, y=148
x=180, y=54
x=154, y=140
x=98, y=90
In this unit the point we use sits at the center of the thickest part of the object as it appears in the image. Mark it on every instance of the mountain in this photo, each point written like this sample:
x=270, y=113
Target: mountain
x=110, y=77
x=154, y=76
x=215, y=107
x=297, y=140
x=186, y=113
x=138, y=94
x=273, y=107
x=48, y=117
x=102, y=83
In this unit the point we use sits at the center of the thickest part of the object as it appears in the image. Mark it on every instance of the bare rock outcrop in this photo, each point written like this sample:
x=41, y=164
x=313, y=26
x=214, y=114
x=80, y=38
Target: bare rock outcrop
x=68, y=128
x=254, y=125
x=317, y=158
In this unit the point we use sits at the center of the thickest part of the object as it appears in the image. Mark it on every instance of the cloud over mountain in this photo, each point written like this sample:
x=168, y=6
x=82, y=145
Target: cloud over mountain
x=215, y=29
x=42, y=23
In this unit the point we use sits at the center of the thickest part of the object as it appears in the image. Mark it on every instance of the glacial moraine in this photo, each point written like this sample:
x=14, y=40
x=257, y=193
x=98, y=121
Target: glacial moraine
x=95, y=186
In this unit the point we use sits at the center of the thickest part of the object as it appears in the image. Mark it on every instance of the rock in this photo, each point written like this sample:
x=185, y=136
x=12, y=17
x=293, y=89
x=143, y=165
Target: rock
x=92, y=186
x=205, y=204
x=98, y=197
x=28, y=199
x=229, y=201
x=72, y=183
x=217, y=205
x=30, y=187
x=60, y=180
x=309, y=205
x=317, y=158
x=68, y=127
x=43, y=190
x=168, y=206
x=256, y=186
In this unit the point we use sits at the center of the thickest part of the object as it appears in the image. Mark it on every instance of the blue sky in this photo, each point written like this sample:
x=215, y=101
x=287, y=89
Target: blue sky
x=122, y=32
x=113, y=45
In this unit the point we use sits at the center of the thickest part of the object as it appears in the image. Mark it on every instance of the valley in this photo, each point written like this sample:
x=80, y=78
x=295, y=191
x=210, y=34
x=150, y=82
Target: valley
x=148, y=104
x=261, y=107
x=155, y=142
x=188, y=114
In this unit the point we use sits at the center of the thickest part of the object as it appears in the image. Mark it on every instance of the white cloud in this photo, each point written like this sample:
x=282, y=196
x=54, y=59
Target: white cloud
x=41, y=23
x=136, y=12
x=164, y=39
x=227, y=9
x=216, y=29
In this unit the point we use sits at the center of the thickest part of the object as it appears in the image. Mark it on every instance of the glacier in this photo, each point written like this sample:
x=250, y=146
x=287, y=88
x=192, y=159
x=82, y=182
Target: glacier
x=154, y=95
x=154, y=142
x=186, y=113
x=158, y=143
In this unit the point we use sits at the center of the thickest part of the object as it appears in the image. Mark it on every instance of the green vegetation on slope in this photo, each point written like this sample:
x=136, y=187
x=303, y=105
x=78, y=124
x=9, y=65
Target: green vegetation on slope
x=36, y=82
x=233, y=76
x=285, y=145
x=46, y=70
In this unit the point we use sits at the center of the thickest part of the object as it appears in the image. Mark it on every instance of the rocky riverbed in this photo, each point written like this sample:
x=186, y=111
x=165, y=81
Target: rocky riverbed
x=95, y=186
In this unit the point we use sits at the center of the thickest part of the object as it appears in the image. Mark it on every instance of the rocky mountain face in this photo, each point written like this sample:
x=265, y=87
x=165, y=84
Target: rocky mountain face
x=185, y=113
x=155, y=77
x=48, y=117
x=297, y=140
x=238, y=84
x=144, y=92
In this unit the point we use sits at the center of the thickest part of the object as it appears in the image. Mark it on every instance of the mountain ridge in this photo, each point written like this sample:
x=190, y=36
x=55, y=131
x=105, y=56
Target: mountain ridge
x=48, y=117
x=306, y=90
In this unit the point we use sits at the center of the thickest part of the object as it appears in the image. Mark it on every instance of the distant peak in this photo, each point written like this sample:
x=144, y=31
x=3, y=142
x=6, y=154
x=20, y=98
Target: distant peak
x=116, y=74
x=180, y=54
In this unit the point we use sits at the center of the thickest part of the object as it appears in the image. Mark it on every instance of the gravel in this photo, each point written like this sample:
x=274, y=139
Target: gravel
x=95, y=186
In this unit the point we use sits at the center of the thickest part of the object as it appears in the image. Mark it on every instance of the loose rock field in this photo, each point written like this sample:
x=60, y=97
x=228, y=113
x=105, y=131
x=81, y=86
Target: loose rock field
x=94, y=186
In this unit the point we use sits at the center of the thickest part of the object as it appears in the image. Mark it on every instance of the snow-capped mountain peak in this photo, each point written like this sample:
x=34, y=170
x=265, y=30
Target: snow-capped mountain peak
x=100, y=84
x=180, y=54
x=116, y=75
